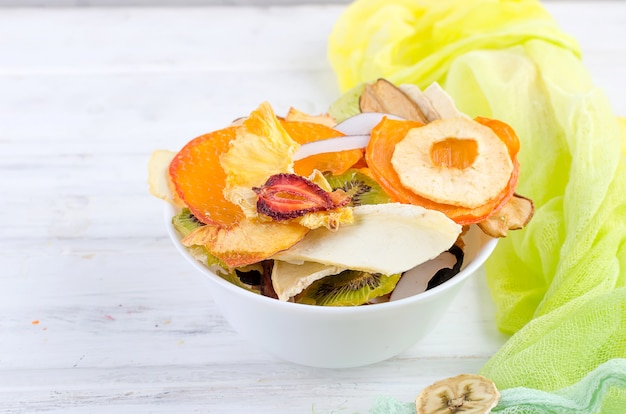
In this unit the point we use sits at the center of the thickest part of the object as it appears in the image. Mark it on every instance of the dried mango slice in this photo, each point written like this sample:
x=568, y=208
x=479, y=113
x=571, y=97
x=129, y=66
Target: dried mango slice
x=441, y=181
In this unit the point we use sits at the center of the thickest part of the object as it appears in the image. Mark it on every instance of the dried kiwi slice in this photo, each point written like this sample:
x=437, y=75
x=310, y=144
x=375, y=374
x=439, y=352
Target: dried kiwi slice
x=361, y=188
x=348, y=288
x=185, y=222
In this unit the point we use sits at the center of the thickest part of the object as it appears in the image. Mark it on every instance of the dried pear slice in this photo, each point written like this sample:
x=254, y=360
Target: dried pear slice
x=434, y=102
x=383, y=96
x=514, y=215
x=472, y=186
x=441, y=102
x=384, y=238
x=465, y=393
x=290, y=279
x=420, y=99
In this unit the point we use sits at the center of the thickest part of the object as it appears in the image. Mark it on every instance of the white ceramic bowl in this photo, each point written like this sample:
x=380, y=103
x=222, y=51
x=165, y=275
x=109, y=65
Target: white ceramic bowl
x=336, y=337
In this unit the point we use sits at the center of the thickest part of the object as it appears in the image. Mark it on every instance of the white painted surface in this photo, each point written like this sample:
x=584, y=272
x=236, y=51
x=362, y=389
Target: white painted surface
x=125, y=325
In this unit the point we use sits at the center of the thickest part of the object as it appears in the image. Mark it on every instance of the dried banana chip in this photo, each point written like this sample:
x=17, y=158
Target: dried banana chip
x=465, y=393
x=514, y=215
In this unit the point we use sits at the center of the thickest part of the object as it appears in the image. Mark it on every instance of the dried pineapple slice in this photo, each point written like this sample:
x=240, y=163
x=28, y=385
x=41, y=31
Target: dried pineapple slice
x=465, y=393
x=262, y=148
x=469, y=186
x=294, y=115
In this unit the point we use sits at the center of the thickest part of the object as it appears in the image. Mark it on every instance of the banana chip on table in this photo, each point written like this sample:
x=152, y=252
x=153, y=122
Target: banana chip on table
x=465, y=393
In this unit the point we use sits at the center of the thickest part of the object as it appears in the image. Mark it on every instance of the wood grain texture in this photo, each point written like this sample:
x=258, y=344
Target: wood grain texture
x=100, y=314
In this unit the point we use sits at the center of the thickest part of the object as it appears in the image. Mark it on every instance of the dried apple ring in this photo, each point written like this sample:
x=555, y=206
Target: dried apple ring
x=470, y=179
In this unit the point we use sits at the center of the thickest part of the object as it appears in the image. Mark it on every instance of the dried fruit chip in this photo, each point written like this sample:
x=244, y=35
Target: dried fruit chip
x=514, y=215
x=287, y=196
x=247, y=242
x=296, y=115
x=465, y=393
x=261, y=148
x=378, y=155
x=471, y=186
x=441, y=102
x=434, y=102
x=384, y=97
x=335, y=163
x=304, y=132
x=384, y=238
x=159, y=180
x=200, y=181
x=290, y=279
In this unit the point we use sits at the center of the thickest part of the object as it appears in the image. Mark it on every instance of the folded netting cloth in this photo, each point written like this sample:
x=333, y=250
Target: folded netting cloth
x=559, y=285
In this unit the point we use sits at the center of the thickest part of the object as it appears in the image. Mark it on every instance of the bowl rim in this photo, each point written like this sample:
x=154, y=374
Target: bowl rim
x=481, y=256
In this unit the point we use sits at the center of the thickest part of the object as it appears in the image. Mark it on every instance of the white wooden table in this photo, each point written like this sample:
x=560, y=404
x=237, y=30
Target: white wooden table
x=98, y=312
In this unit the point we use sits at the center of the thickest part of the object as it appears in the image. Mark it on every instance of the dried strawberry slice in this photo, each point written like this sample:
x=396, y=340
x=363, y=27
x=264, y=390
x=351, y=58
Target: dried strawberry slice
x=286, y=196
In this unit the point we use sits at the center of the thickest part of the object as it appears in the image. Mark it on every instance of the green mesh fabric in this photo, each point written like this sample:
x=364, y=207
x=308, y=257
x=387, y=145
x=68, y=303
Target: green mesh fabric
x=559, y=285
x=596, y=393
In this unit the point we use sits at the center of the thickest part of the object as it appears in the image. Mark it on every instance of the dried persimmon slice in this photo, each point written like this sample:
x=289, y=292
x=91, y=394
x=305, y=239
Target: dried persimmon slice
x=337, y=162
x=199, y=179
x=378, y=155
x=454, y=179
